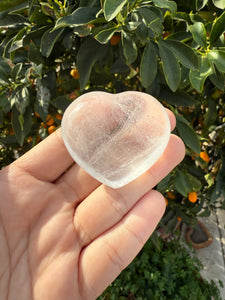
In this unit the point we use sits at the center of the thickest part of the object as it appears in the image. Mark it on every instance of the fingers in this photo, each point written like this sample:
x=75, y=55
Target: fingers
x=48, y=160
x=104, y=207
x=81, y=184
x=110, y=253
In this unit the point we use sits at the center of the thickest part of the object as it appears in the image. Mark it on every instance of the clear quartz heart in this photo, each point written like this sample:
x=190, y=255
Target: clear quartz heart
x=115, y=137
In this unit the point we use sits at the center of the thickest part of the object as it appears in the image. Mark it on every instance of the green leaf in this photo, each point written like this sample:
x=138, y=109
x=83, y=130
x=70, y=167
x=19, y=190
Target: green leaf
x=148, y=14
x=61, y=102
x=16, y=70
x=21, y=98
x=13, y=20
x=3, y=100
x=170, y=5
x=142, y=33
x=195, y=183
x=188, y=135
x=42, y=99
x=81, y=16
x=21, y=133
x=184, y=53
x=5, y=64
x=89, y=53
x=105, y=35
x=112, y=8
x=3, y=76
x=171, y=67
x=198, y=77
x=217, y=29
x=156, y=26
x=219, y=3
x=129, y=48
x=49, y=39
x=200, y=4
x=148, y=66
x=34, y=54
x=179, y=98
x=182, y=183
x=218, y=79
x=211, y=114
x=218, y=58
x=199, y=34
x=12, y=4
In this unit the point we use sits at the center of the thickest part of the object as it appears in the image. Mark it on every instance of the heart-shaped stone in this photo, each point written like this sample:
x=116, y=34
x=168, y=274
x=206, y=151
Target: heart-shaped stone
x=115, y=137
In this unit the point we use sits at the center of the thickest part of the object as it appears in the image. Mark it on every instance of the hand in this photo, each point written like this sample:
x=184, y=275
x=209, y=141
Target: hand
x=65, y=236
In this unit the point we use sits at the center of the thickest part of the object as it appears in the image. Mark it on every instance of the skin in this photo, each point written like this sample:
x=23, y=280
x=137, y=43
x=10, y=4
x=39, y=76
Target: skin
x=63, y=235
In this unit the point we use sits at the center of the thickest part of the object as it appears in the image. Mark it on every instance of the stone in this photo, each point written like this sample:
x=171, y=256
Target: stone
x=115, y=137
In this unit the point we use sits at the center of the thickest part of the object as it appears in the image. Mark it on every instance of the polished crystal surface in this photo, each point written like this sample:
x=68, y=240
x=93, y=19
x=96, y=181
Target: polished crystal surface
x=115, y=137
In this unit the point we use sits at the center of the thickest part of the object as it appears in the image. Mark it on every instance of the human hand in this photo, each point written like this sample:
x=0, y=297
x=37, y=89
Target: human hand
x=63, y=235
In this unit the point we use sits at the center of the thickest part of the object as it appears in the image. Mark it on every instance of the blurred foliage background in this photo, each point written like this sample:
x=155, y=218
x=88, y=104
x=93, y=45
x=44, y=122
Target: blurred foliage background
x=54, y=51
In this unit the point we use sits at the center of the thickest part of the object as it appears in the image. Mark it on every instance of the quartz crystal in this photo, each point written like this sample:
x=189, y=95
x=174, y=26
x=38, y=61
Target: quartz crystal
x=115, y=137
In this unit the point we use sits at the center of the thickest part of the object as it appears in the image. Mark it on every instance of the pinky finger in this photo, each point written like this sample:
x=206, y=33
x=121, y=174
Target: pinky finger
x=103, y=260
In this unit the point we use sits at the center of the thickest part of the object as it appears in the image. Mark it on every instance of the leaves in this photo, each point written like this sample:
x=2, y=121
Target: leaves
x=129, y=48
x=13, y=20
x=183, y=53
x=199, y=34
x=217, y=28
x=170, y=5
x=49, y=39
x=81, y=16
x=179, y=98
x=200, y=4
x=187, y=134
x=89, y=53
x=42, y=99
x=217, y=57
x=105, y=35
x=21, y=123
x=148, y=66
x=171, y=67
x=198, y=77
x=16, y=70
x=182, y=183
x=219, y=3
x=112, y=8
x=21, y=98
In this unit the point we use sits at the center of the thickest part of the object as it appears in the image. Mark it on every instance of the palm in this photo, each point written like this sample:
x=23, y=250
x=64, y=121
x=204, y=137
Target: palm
x=63, y=235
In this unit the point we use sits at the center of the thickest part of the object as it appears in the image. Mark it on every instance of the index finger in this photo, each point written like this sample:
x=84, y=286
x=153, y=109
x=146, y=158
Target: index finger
x=48, y=160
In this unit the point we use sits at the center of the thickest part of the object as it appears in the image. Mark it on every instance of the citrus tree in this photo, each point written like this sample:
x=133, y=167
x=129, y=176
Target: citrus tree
x=53, y=51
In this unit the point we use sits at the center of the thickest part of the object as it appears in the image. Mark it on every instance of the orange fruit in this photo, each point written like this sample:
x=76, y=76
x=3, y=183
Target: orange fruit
x=179, y=219
x=51, y=129
x=115, y=39
x=74, y=73
x=166, y=200
x=50, y=122
x=58, y=117
x=37, y=114
x=171, y=195
x=204, y=156
x=192, y=197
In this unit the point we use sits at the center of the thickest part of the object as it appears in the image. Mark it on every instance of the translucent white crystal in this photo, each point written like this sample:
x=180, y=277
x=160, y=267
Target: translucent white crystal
x=115, y=137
